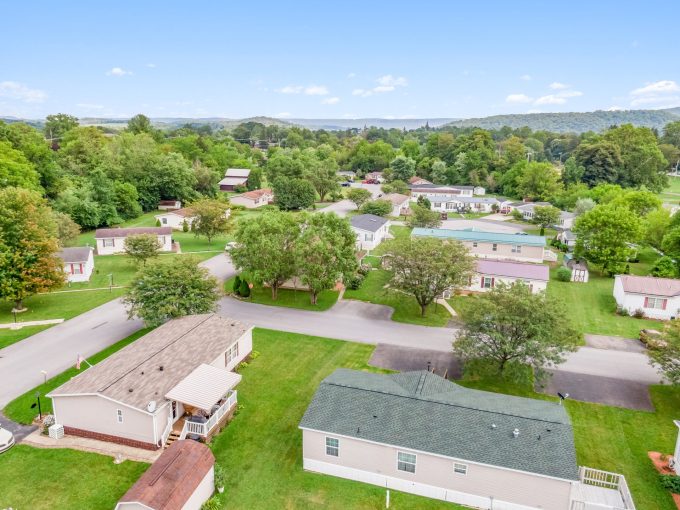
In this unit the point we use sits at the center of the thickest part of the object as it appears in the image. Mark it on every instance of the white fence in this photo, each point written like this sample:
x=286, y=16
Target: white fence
x=203, y=429
x=607, y=481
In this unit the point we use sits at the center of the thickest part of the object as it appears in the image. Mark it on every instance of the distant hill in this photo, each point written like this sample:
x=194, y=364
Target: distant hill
x=577, y=122
x=341, y=124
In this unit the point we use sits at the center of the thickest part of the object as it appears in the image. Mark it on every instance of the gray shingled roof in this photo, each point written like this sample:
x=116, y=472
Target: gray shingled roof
x=105, y=233
x=424, y=412
x=76, y=254
x=369, y=222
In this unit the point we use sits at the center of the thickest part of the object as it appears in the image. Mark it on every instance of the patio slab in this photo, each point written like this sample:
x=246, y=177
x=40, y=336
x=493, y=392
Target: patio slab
x=84, y=444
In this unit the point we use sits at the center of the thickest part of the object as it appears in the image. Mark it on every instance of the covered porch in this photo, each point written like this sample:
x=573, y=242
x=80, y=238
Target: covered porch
x=207, y=398
x=601, y=490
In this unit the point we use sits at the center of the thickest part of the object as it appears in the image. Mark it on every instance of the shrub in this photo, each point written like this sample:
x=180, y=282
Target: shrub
x=244, y=290
x=211, y=504
x=516, y=214
x=158, y=223
x=254, y=354
x=220, y=476
x=377, y=207
x=355, y=281
x=564, y=274
x=639, y=313
x=671, y=483
x=364, y=269
x=240, y=188
x=185, y=226
x=237, y=285
x=665, y=267
x=47, y=422
x=622, y=312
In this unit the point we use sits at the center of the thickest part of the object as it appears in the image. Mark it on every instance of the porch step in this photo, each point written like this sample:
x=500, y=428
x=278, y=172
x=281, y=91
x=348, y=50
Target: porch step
x=174, y=436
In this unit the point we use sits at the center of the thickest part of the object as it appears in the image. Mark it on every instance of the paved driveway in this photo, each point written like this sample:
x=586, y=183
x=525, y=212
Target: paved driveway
x=340, y=208
x=373, y=188
x=404, y=359
x=56, y=349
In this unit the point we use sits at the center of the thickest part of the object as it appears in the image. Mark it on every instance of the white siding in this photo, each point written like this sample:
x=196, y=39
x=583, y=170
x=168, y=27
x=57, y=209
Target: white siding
x=632, y=302
x=476, y=285
x=87, y=268
x=174, y=220
x=203, y=492
x=119, y=244
x=434, y=476
x=369, y=240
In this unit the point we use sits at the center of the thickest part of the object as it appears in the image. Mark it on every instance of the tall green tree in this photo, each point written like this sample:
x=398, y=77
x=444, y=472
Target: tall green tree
x=539, y=181
x=359, y=196
x=211, y=218
x=192, y=291
x=59, y=124
x=140, y=124
x=511, y=326
x=425, y=267
x=423, y=217
x=274, y=234
x=545, y=216
x=325, y=252
x=28, y=246
x=67, y=229
x=605, y=234
x=601, y=161
x=142, y=247
x=16, y=170
x=292, y=194
x=403, y=168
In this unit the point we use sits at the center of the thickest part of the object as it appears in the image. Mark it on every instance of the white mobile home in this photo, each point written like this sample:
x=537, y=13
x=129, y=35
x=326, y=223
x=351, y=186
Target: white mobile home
x=78, y=263
x=656, y=298
x=490, y=273
x=112, y=240
x=370, y=230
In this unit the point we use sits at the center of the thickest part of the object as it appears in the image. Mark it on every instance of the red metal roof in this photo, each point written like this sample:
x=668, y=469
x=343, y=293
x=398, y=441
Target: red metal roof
x=514, y=269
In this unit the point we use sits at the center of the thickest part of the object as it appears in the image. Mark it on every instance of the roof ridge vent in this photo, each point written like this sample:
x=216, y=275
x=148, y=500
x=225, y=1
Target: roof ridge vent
x=421, y=383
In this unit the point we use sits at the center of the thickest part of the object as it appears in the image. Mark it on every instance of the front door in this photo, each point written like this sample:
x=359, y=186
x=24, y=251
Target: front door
x=175, y=411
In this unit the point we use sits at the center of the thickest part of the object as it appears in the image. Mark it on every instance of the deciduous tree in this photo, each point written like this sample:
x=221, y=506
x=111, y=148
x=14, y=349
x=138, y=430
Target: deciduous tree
x=510, y=325
x=359, y=196
x=211, y=218
x=545, y=216
x=142, y=247
x=423, y=217
x=291, y=194
x=667, y=358
x=425, y=267
x=169, y=289
x=67, y=229
x=377, y=207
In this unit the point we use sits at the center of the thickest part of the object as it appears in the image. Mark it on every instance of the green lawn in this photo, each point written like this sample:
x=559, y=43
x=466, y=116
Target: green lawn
x=288, y=298
x=20, y=410
x=673, y=184
x=399, y=232
x=42, y=479
x=261, y=449
x=406, y=308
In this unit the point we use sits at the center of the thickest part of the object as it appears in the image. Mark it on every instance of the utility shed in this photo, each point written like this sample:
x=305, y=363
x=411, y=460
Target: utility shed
x=182, y=478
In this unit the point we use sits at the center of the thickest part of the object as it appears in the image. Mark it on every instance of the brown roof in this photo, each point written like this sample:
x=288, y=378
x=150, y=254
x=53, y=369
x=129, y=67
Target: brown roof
x=650, y=285
x=172, y=479
x=256, y=193
x=416, y=179
x=169, y=202
x=185, y=212
x=396, y=198
x=150, y=367
x=102, y=233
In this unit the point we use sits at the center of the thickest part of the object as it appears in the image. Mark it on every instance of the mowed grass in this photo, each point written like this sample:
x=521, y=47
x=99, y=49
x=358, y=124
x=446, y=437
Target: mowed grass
x=44, y=479
x=20, y=410
x=616, y=439
x=287, y=298
x=261, y=449
x=406, y=308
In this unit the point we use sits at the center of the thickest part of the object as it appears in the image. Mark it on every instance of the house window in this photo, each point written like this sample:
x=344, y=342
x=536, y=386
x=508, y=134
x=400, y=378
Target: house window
x=107, y=242
x=460, y=469
x=231, y=354
x=406, y=462
x=119, y=415
x=516, y=248
x=658, y=303
x=76, y=269
x=368, y=237
x=437, y=204
x=332, y=446
x=494, y=247
x=164, y=221
x=487, y=282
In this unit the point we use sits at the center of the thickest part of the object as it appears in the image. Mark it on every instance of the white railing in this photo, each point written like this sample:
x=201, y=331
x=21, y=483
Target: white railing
x=203, y=429
x=166, y=431
x=549, y=256
x=605, y=480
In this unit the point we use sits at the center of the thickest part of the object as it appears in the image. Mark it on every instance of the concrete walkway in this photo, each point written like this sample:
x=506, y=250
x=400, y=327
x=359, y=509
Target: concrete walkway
x=19, y=325
x=117, y=451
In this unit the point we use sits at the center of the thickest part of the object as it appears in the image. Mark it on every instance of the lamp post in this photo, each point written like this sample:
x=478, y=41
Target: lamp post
x=37, y=396
x=110, y=275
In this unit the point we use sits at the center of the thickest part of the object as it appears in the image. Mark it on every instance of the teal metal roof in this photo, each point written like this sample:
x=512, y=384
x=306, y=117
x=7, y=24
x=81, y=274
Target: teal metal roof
x=424, y=412
x=489, y=237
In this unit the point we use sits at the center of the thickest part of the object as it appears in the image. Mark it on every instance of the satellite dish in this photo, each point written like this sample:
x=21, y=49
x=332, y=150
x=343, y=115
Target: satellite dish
x=151, y=406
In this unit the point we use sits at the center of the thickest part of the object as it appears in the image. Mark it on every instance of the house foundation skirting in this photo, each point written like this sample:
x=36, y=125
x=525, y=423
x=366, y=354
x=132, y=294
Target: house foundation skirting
x=109, y=438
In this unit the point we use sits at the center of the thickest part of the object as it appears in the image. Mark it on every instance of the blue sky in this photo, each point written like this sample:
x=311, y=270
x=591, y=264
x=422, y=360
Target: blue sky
x=336, y=59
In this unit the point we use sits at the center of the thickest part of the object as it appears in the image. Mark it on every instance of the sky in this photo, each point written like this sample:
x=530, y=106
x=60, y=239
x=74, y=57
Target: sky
x=329, y=59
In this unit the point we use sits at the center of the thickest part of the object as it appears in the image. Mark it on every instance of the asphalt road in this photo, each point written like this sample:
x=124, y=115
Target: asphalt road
x=341, y=208
x=56, y=349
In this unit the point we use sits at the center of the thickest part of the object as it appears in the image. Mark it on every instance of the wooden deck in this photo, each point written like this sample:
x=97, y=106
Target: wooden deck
x=596, y=498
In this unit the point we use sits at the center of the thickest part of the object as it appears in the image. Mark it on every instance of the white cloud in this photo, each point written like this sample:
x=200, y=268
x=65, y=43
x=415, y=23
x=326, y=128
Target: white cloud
x=614, y=108
x=518, y=98
x=310, y=90
x=90, y=106
x=118, y=71
x=525, y=77
x=556, y=85
x=331, y=100
x=559, y=98
x=316, y=90
x=387, y=83
x=351, y=75
x=151, y=65
x=19, y=91
x=659, y=94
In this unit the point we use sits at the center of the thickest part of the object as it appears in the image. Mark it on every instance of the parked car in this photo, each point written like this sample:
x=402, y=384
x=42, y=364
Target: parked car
x=370, y=181
x=652, y=338
x=6, y=439
x=345, y=184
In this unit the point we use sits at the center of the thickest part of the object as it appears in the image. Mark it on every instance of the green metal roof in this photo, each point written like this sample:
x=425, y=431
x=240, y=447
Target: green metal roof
x=424, y=412
x=488, y=237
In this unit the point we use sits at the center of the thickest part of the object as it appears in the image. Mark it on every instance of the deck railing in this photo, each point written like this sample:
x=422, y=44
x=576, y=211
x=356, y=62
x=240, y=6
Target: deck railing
x=549, y=256
x=607, y=480
x=203, y=429
x=166, y=432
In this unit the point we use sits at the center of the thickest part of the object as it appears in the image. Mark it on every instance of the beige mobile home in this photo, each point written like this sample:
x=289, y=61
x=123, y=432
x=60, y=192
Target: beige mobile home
x=112, y=240
x=176, y=378
x=417, y=432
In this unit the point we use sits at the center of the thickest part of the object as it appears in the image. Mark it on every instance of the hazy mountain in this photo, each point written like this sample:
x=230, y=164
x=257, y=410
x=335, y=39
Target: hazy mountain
x=577, y=122
x=340, y=124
